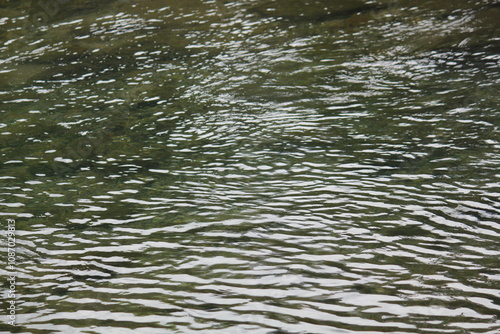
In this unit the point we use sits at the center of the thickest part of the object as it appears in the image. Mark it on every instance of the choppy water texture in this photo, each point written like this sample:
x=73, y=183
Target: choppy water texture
x=259, y=166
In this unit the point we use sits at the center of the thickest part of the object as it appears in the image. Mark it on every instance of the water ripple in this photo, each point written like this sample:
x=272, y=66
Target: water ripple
x=236, y=168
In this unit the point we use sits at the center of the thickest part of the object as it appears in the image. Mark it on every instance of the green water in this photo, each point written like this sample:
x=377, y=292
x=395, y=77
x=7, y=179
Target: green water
x=251, y=166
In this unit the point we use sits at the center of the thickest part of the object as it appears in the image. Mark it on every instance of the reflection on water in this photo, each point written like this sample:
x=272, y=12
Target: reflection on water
x=252, y=166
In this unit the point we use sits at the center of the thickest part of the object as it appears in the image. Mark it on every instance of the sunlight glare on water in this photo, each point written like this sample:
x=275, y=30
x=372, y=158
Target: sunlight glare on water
x=260, y=166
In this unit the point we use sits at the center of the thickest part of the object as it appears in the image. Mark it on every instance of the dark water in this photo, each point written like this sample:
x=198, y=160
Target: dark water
x=251, y=166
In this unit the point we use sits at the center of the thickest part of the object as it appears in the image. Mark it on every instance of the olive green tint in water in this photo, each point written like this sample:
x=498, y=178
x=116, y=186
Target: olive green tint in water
x=262, y=166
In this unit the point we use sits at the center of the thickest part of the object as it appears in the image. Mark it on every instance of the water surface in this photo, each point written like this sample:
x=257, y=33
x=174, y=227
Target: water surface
x=252, y=166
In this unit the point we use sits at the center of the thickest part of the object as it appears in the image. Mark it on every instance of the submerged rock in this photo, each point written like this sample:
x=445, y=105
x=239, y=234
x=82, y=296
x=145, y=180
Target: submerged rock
x=312, y=10
x=464, y=30
x=49, y=11
x=404, y=28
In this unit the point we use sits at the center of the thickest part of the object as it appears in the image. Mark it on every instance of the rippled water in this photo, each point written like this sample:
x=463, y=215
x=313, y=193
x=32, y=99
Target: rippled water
x=252, y=166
